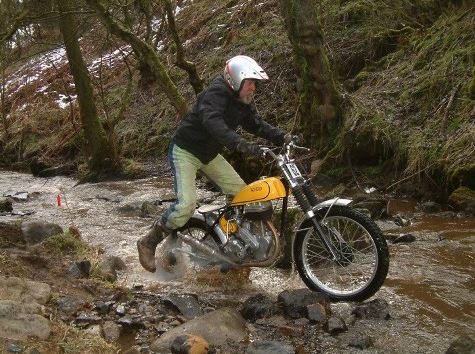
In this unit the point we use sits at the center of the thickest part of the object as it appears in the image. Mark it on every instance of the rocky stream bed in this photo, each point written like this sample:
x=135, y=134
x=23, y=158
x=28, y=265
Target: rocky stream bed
x=59, y=303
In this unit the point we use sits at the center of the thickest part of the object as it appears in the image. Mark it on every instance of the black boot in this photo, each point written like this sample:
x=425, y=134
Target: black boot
x=147, y=246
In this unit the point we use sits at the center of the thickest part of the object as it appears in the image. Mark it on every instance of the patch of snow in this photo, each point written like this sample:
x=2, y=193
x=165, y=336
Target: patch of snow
x=156, y=23
x=24, y=105
x=110, y=59
x=160, y=46
x=34, y=69
x=63, y=101
x=42, y=89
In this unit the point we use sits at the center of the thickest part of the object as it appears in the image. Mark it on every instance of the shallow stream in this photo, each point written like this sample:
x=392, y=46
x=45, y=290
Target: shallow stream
x=430, y=285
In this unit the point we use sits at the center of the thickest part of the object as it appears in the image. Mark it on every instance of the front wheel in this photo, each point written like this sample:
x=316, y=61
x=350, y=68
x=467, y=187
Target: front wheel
x=360, y=260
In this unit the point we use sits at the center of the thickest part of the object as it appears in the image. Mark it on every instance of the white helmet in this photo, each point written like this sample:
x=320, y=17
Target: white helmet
x=242, y=67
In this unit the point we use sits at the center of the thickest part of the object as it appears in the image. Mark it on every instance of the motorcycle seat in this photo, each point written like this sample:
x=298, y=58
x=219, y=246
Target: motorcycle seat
x=207, y=208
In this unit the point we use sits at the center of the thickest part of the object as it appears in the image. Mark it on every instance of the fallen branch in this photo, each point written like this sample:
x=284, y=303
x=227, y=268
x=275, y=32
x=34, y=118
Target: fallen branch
x=410, y=176
x=445, y=119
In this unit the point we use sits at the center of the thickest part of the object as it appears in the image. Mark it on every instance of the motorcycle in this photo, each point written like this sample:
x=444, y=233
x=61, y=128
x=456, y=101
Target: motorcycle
x=337, y=250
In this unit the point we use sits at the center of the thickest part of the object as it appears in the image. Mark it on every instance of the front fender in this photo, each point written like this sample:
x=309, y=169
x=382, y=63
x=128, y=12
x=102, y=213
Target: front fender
x=332, y=202
x=305, y=224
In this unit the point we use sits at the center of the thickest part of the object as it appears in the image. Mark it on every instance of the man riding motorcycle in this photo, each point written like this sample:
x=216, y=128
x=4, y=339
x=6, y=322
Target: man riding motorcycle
x=220, y=109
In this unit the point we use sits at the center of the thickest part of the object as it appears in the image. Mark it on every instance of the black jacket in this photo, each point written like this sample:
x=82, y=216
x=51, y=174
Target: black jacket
x=213, y=121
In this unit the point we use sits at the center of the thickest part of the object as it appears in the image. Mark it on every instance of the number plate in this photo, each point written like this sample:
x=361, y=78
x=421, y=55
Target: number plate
x=294, y=170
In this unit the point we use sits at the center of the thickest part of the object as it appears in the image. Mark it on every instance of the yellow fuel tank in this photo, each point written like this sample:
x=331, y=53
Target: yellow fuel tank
x=259, y=191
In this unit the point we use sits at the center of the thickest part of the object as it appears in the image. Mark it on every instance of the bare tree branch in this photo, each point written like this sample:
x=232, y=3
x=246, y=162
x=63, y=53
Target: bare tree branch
x=146, y=54
x=181, y=62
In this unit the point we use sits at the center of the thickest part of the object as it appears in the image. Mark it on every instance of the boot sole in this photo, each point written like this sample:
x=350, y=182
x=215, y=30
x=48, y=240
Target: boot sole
x=142, y=261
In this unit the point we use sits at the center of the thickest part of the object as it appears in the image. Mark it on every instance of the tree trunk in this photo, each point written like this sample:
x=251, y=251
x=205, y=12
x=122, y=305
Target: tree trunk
x=3, y=108
x=147, y=57
x=102, y=155
x=181, y=62
x=319, y=99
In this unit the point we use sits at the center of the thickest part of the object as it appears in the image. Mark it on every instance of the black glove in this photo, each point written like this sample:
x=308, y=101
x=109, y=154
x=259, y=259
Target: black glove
x=249, y=149
x=297, y=139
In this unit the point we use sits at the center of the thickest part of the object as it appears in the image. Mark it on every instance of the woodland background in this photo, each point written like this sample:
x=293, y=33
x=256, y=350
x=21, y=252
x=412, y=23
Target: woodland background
x=383, y=91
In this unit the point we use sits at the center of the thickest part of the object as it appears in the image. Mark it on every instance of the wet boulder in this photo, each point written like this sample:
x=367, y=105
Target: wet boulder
x=24, y=326
x=216, y=328
x=431, y=207
x=189, y=344
x=187, y=304
x=69, y=305
x=269, y=347
x=317, y=313
x=15, y=348
x=86, y=319
x=463, y=198
x=17, y=289
x=21, y=310
x=35, y=232
x=80, y=269
x=109, y=266
x=404, y=238
x=62, y=170
x=295, y=302
x=377, y=206
x=20, y=196
x=149, y=209
x=111, y=331
x=374, y=309
x=133, y=209
x=462, y=345
x=258, y=306
x=401, y=220
x=336, y=325
x=6, y=205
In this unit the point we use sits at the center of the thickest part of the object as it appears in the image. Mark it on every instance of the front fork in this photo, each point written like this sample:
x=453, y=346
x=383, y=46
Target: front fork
x=307, y=199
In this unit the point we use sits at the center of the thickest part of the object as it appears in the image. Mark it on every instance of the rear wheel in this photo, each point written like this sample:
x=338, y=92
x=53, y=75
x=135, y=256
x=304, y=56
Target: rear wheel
x=362, y=258
x=199, y=230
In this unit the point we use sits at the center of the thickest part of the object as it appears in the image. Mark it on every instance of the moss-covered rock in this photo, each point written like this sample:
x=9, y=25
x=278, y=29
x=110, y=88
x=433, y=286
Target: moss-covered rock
x=463, y=198
x=6, y=205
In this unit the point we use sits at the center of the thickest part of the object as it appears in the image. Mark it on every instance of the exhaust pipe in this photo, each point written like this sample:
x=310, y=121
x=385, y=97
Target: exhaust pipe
x=205, y=248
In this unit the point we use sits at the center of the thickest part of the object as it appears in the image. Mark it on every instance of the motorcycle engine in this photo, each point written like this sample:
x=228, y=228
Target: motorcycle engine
x=253, y=239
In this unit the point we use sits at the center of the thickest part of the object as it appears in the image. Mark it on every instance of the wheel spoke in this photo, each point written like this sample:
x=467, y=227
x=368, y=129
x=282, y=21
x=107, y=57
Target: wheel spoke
x=357, y=256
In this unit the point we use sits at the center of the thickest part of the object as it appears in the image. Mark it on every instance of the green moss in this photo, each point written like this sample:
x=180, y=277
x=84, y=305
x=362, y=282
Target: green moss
x=77, y=341
x=463, y=197
x=67, y=243
x=417, y=101
x=471, y=86
x=132, y=168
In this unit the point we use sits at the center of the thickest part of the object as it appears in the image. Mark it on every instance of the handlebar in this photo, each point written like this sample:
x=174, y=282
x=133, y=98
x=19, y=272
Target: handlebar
x=287, y=147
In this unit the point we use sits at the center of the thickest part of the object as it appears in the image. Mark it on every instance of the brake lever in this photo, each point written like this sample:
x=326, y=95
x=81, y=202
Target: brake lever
x=293, y=145
x=264, y=151
x=301, y=148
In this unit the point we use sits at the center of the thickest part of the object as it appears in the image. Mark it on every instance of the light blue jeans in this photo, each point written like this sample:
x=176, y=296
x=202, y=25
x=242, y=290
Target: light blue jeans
x=184, y=166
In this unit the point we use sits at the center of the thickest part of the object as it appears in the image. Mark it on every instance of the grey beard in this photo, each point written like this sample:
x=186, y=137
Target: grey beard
x=248, y=99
